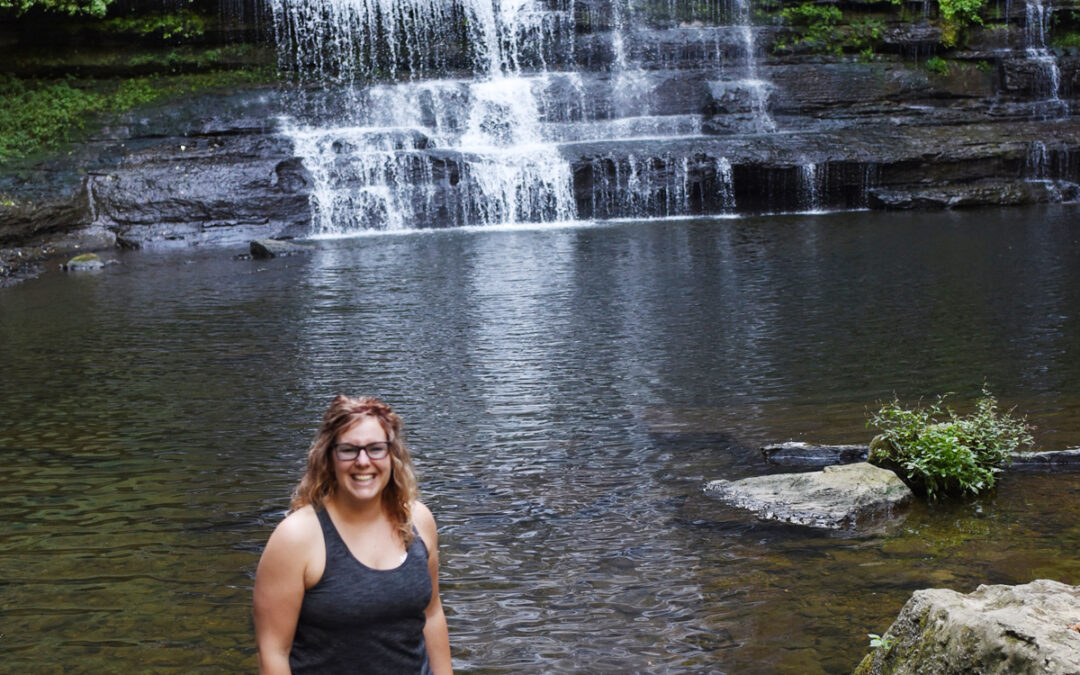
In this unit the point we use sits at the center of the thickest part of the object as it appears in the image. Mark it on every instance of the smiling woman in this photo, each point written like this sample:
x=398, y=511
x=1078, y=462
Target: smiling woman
x=349, y=581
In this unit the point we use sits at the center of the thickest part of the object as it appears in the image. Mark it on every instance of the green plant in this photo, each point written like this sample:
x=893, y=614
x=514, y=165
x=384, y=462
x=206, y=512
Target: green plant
x=40, y=116
x=816, y=25
x=936, y=64
x=91, y=7
x=1066, y=40
x=944, y=453
x=864, y=34
x=880, y=641
x=956, y=15
x=184, y=24
x=964, y=12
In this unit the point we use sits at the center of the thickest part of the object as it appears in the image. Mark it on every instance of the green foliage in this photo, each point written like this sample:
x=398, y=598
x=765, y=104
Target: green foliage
x=1065, y=40
x=945, y=453
x=816, y=24
x=185, y=24
x=956, y=15
x=40, y=116
x=820, y=28
x=72, y=7
x=963, y=12
x=936, y=64
x=864, y=34
x=37, y=116
x=880, y=641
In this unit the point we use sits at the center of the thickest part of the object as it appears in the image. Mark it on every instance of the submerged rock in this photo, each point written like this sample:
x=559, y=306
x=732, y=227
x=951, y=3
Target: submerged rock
x=796, y=453
x=1032, y=628
x=1044, y=462
x=84, y=262
x=838, y=497
x=274, y=248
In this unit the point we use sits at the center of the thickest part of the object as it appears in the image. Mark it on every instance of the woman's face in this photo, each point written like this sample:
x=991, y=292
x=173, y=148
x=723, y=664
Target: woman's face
x=362, y=479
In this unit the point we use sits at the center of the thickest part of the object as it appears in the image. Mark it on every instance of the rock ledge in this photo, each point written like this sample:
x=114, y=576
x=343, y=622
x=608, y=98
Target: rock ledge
x=996, y=629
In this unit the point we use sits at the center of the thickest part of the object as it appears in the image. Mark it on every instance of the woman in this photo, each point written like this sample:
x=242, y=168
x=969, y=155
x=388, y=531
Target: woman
x=349, y=580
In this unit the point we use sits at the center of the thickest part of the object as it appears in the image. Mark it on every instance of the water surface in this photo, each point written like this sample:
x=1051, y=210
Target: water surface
x=567, y=393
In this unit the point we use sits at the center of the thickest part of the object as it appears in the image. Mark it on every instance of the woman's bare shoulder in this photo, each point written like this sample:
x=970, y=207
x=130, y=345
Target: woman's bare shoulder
x=424, y=521
x=299, y=529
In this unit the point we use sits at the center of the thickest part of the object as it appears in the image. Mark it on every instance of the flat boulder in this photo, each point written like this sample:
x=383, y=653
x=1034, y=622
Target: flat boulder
x=1031, y=628
x=838, y=497
x=275, y=248
x=796, y=453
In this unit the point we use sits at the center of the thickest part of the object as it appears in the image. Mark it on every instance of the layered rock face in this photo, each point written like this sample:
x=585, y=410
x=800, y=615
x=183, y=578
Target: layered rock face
x=1032, y=628
x=557, y=111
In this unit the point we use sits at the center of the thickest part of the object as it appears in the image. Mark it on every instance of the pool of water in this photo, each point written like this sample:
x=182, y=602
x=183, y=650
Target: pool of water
x=567, y=393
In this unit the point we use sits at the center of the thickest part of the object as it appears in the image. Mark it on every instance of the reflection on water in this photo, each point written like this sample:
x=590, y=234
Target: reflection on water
x=567, y=393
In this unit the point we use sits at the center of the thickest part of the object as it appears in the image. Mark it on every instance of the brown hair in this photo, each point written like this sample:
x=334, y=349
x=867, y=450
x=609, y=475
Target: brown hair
x=319, y=482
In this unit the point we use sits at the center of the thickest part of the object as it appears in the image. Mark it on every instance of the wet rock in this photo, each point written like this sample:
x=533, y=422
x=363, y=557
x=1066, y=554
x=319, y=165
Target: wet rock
x=26, y=219
x=276, y=248
x=220, y=190
x=983, y=193
x=1031, y=628
x=795, y=453
x=84, y=262
x=1045, y=462
x=839, y=497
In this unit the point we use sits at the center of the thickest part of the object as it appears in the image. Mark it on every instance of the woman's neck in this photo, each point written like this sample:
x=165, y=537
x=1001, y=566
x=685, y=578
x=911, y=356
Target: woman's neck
x=356, y=513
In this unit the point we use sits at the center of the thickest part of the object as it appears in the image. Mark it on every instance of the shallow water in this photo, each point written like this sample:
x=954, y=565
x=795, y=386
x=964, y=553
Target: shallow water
x=567, y=392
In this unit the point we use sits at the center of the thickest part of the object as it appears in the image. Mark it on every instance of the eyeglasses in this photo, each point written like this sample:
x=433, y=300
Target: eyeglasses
x=347, y=452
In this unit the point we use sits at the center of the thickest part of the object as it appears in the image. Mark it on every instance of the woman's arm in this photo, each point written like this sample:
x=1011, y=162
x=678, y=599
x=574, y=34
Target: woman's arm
x=279, y=589
x=436, y=634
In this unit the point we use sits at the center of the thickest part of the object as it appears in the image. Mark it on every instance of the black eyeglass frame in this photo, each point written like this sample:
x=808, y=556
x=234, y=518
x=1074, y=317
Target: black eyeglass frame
x=353, y=451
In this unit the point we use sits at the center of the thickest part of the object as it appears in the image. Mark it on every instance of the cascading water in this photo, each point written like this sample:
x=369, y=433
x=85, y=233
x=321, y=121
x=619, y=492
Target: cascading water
x=423, y=152
x=809, y=194
x=1048, y=79
x=426, y=113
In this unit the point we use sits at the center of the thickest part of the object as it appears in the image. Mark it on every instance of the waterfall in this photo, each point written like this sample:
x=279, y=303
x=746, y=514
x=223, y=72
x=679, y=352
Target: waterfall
x=420, y=152
x=1035, y=162
x=725, y=184
x=757, y=90
x=631, y=89
x=809, y=193
x=435, y=113
x=1048, y=80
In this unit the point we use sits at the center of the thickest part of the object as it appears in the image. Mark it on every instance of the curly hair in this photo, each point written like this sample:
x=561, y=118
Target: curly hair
x=319, y=481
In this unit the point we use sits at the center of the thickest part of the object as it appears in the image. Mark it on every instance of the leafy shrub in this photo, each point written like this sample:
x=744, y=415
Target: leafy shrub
x=944, y=453
x=91, y=7
x=817, y=25
x=936, y=64
x=185, y=24
x=820, y=27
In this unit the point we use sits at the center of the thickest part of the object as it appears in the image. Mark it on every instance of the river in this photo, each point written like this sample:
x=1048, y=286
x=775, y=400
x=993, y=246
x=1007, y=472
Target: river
x=567, y=393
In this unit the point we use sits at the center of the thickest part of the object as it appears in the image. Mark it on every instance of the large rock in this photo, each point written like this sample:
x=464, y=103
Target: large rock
x=1033, y=628
x=838, y=497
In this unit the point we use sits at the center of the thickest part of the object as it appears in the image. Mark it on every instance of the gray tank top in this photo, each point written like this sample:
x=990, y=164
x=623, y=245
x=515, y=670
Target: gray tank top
x=361, y=620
